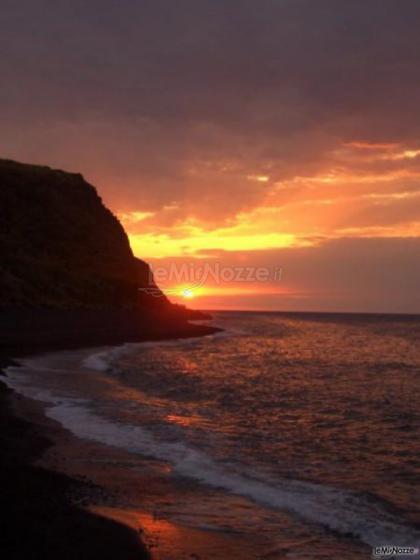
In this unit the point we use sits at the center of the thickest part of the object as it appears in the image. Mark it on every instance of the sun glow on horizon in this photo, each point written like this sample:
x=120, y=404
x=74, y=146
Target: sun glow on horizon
x=187, y=293
x=292, y=212
x=152, y=246
x=364, y=191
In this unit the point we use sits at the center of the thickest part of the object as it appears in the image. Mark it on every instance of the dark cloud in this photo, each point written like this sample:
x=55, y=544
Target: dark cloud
x=164, y=102
x=278, y=65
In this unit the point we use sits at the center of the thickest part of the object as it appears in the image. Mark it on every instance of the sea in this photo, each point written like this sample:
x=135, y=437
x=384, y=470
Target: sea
x=286, y=435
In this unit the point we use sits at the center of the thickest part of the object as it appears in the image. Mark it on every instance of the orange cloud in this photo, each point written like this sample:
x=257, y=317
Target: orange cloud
x=345, y=199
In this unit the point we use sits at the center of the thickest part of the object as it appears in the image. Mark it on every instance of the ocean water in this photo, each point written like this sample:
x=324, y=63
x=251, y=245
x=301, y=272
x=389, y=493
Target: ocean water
x=299, y=433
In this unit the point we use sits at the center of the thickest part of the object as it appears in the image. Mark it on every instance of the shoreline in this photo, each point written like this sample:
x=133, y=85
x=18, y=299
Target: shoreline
x=40, y=517
x=98, y=492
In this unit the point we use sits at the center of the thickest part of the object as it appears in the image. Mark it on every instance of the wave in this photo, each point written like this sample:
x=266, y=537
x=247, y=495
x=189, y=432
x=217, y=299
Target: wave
x=103, y=360
x=346, y=512
x=339, y=510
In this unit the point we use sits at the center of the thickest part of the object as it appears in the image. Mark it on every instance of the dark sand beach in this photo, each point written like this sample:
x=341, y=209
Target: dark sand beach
x=62, y=512
x=259, y=161
x=68, y=280
x=43, y=512
x=39, y=518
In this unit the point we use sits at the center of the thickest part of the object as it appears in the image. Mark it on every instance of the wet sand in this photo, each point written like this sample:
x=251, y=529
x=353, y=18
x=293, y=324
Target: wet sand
x=165, y=540
x=44, y=511
x=39, y=518
x=70, y=507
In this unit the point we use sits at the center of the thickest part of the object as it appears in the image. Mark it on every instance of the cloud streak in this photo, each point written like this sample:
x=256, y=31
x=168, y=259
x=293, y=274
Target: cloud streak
x=223, y=125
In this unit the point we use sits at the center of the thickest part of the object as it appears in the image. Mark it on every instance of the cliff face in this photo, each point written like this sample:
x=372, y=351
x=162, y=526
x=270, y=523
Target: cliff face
x=60, y=247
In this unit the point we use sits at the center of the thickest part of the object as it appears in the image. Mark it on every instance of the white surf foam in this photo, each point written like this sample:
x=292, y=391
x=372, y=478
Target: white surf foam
x=338, y=510
x=335, y=509
x=99, y=361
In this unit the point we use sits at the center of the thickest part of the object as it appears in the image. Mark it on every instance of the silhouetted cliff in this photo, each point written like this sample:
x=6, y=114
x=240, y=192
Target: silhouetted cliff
x=60, y=247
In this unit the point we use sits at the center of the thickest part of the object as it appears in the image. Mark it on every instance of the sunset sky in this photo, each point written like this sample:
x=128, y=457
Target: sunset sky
x=280, y=134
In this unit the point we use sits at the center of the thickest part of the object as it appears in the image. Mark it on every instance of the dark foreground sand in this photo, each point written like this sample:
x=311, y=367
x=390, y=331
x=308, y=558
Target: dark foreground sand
x=38, y=515
x=38, y=519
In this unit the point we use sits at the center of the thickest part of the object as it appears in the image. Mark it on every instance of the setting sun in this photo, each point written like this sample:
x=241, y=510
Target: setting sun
x=187, y=293
x=209, y=279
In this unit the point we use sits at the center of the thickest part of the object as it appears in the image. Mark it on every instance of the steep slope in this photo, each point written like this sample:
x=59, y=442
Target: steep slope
x=60, y=247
